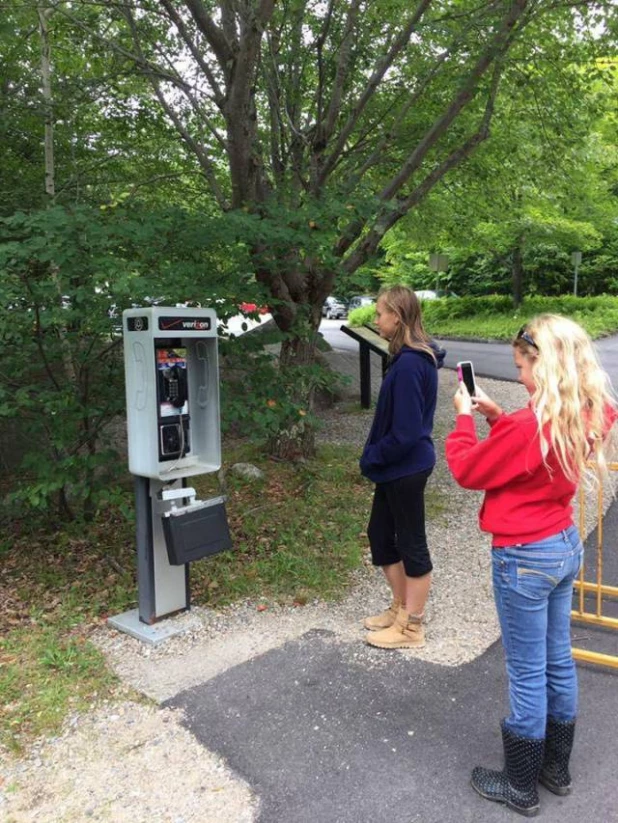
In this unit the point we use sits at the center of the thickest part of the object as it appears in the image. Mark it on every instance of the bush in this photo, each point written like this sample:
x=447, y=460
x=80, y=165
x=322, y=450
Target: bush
x=494, y=317
x=259, y=397
x=363, y=315
x=65, y=277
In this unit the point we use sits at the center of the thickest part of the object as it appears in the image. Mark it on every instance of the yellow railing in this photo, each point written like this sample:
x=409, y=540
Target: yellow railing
x=597, y=588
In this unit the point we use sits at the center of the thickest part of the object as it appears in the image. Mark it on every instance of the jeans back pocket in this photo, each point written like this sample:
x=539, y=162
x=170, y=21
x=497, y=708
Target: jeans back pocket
x=537, y=580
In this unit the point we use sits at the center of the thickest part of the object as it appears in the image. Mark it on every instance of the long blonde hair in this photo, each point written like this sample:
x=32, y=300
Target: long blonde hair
x=410, y=331
x=572, y=391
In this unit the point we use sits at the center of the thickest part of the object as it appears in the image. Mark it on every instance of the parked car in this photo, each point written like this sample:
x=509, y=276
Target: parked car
x=432, y=294
x=334, y=308
x=360, y=300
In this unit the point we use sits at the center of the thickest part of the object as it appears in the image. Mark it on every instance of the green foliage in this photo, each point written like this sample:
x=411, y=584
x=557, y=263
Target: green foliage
x=362, y=315
x=65, y=277
x=493, y=317
x=111, y=140
x=261, y=397
x=541, y=187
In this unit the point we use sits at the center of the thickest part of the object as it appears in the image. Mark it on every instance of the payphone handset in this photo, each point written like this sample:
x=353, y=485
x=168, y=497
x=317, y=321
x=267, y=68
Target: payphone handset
x=173, y=400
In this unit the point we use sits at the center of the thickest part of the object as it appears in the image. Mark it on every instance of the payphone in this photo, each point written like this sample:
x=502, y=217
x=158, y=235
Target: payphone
x=172, y=381
x=173, y=427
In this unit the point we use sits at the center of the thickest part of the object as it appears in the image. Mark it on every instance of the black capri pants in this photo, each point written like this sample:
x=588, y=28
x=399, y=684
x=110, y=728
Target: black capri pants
x=396, y=528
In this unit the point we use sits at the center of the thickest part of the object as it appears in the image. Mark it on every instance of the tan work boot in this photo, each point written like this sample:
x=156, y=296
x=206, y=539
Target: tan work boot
x=384, y=619
x=407, y=632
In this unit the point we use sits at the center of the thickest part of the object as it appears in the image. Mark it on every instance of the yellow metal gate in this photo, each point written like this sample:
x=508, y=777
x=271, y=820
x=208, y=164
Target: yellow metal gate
x=599, y=591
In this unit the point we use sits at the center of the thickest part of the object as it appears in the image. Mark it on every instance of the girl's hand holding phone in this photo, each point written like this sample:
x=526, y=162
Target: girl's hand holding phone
x=483, y=404
x=462, y=400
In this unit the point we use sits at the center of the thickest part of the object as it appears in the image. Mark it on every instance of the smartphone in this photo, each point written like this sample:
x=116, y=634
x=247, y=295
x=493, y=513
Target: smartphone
x=465, y=372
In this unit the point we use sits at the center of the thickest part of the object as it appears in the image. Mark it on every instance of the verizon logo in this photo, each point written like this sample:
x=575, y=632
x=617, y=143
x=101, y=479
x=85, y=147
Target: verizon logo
x=199, y=325
x=184, y=323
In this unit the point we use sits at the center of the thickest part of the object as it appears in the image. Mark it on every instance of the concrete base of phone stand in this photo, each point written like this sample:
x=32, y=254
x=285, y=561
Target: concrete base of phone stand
x=129, y=623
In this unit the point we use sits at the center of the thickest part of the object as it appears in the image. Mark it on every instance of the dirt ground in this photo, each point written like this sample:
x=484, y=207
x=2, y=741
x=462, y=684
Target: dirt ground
x=131, y=761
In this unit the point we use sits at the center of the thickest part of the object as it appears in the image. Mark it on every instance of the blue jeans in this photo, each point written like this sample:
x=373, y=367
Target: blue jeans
x=533, y=590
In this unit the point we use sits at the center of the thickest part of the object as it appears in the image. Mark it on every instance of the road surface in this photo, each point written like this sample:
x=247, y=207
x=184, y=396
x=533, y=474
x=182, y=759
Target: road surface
x=490, y=359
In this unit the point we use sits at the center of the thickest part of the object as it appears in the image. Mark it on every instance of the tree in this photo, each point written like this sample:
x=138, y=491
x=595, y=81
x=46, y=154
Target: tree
x=540, y=188
x=326, y=121
x=111, y=141
x=72, y=257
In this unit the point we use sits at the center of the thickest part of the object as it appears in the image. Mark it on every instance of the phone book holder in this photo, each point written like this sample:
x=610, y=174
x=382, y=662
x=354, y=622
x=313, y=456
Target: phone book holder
x=196, y=529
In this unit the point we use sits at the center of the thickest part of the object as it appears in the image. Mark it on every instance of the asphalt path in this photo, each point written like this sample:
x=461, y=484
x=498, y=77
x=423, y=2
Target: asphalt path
x=490, y=359
x=327, y=731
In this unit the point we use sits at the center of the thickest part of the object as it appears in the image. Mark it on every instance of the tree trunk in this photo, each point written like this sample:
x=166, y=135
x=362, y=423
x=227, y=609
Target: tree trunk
x=296, y=438
x=517, y=274
x=70, y=371
x=50, y=180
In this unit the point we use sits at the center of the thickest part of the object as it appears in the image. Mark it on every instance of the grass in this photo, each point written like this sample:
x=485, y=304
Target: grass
x=494, y=318
x=44, y=674
x=55, y=588
x=298, y=535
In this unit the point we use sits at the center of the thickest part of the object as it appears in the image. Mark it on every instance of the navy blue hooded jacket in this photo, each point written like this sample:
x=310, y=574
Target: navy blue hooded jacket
x=400, y=443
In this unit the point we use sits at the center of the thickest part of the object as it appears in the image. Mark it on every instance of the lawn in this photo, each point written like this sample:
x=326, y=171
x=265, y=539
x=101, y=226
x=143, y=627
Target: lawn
x=299, y=535
x=495, y=318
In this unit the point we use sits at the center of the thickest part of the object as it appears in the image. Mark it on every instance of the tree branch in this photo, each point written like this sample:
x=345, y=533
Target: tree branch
x=378, y=152
x=189, y=41
x=325, y=129
x=197, y=149
x=216, y=39
x=369, y=244
x=374, y=81
x=498, y=45
x=319, y=47
x=139, y=60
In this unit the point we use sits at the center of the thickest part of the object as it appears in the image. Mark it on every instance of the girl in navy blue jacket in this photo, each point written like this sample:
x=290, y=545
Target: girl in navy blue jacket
x=398, y=457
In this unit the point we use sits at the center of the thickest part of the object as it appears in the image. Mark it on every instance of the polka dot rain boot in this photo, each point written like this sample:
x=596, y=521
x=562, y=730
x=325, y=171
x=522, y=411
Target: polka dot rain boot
x=516, y=784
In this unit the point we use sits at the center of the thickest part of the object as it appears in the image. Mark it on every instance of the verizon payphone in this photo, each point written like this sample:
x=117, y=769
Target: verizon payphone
x=173, y=425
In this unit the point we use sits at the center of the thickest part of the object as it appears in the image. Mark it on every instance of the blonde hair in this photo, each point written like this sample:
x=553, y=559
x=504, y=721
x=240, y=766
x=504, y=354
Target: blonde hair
x=572, y=391
x=410, y=331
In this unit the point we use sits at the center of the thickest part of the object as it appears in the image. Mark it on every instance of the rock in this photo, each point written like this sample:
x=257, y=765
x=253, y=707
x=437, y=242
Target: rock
x=248, y=471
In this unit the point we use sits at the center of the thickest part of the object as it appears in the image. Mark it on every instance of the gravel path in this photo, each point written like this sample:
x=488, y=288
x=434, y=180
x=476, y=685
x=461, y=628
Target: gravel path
x=131, y=761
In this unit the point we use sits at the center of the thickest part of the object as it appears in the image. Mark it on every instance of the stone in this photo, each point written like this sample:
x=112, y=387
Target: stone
x=248, y=471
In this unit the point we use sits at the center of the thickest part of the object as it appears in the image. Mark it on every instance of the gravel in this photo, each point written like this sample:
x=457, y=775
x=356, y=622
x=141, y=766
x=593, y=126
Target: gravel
x=110, y=764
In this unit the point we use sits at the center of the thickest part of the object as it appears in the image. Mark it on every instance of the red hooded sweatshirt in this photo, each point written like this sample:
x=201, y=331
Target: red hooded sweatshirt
x=526, y=498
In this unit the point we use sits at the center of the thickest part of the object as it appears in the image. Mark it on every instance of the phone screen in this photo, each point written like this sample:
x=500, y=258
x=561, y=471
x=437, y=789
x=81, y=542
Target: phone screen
x=465, y=371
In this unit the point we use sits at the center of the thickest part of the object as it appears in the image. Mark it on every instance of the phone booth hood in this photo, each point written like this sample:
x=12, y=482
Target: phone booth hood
x=172, y=391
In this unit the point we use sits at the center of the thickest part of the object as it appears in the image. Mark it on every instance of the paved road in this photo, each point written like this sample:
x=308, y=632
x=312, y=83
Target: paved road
x=490, y=359
x=324, y=734
x=327, y=731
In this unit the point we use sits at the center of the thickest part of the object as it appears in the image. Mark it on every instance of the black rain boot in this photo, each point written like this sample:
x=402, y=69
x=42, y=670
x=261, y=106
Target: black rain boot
x=555, y=774
x=516, y=784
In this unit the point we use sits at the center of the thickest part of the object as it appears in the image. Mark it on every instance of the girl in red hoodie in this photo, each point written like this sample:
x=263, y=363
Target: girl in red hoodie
x=529, y=468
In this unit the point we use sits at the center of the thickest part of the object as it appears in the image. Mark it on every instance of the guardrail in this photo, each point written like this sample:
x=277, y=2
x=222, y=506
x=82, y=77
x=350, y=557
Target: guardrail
x=594, y=590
